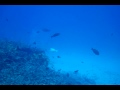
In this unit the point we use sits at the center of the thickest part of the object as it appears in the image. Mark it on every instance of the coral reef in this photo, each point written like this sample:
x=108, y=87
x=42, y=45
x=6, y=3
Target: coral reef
x=22, y=65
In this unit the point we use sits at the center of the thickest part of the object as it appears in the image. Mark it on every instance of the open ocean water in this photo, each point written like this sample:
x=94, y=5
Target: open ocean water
x=59, y=44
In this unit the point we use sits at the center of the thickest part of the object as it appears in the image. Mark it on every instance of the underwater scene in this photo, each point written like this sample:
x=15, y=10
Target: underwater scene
x=59, y=44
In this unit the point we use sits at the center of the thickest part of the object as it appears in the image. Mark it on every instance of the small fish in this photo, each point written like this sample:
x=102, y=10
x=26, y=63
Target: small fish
x=56, y=34
x=53, y=50
x=76, y=71
x=58, y=57
x=45, y=30
x=96, y=52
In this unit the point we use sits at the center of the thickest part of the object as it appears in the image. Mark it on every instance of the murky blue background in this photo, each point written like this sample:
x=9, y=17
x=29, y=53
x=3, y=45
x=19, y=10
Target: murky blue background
x=81, y=28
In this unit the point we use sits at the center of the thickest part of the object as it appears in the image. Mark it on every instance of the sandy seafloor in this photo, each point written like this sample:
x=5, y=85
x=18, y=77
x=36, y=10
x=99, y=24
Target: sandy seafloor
x=104, y=73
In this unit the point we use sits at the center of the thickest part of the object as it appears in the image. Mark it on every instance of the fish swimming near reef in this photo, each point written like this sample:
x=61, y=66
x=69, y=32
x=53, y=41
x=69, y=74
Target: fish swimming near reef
x=96, y=52
x=54, y=35
x=53, y=50
x=76, y=71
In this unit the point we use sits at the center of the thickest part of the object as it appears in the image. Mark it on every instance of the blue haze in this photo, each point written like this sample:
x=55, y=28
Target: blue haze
x=81, y=28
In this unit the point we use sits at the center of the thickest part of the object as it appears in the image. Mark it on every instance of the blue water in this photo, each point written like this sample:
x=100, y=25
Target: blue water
x=81, y=28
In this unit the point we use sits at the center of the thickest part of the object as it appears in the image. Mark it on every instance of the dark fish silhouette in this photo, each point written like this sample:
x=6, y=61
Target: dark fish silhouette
x=96, y=52
x=76, y=71
x=58, y=57
x=45, y=30
x=56, y=34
